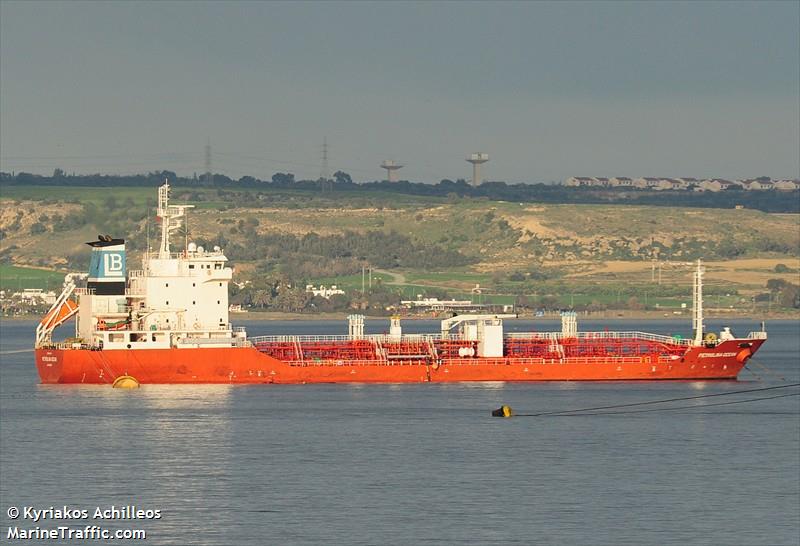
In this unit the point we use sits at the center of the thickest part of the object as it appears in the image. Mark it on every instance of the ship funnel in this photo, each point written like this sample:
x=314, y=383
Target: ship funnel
x=107, y=267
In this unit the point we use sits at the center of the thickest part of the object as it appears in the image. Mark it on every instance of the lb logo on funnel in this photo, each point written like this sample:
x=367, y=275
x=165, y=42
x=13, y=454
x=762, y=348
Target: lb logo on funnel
x=107, y=264
x=114, y=265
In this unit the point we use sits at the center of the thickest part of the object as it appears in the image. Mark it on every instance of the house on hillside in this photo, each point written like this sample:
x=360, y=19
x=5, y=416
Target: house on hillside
x=671, y=184
x=620, y=182
x=787, y=185
x=647, y=183
x=689, y=182
x=575, y=181
x=588, y=181
x=323, y=292
x=717, y=184
x=755, y=184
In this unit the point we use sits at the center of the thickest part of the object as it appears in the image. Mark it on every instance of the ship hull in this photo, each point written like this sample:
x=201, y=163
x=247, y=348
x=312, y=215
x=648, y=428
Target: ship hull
x=247, y=365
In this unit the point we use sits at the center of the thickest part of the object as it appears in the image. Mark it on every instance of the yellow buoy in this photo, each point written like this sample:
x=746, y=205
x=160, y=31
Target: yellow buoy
x=503, y=411
x=125, y=382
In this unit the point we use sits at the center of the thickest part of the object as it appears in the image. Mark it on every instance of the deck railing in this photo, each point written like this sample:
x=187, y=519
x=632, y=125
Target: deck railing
x=376, y=338
x=83, y=291
x=467, y=361
x=645, y=336
x=385, y=338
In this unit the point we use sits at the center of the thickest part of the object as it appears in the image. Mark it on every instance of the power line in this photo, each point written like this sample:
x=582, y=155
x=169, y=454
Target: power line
x=96, y=156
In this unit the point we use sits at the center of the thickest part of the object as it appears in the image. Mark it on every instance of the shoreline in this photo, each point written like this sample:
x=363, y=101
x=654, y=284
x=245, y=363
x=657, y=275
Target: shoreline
x=604, y=315
x=607, y=315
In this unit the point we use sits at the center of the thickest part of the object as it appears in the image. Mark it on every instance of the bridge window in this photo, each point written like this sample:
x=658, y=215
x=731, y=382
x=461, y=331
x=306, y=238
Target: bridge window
x=191, y=266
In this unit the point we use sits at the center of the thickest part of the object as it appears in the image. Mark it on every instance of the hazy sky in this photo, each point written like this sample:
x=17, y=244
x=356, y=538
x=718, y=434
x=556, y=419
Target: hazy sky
x=549, y=90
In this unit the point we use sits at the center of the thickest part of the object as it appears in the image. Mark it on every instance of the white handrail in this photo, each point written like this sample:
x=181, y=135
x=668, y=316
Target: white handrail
x=603, y=335
x=377, y=338
x=426, y=338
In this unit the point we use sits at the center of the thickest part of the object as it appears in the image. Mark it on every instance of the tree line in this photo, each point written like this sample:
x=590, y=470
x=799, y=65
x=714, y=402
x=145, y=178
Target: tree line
x=767, y=201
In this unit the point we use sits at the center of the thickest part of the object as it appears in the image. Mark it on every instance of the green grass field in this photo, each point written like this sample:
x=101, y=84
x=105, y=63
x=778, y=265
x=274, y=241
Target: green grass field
x=447, y=277
x=299, y=198
x=78, y=194
x=17, y=278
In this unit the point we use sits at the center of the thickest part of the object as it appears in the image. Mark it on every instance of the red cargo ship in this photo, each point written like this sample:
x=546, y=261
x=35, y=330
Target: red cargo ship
x=168, y=323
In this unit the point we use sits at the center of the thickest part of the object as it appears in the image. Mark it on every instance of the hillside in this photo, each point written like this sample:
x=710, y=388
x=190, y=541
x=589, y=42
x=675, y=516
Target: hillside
x=445, y=243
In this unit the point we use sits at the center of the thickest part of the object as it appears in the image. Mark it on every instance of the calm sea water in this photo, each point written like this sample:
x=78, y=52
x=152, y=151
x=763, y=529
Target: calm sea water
x=410, y=464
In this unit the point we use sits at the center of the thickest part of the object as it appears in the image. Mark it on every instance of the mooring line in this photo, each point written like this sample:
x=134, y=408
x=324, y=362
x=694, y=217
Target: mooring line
x=758, y=377
x=506, y=411
x=769, y=371
x=693, y=406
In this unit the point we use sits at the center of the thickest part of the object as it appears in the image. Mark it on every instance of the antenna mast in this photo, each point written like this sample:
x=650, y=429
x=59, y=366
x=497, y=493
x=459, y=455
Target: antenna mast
x=324, y=174
x=209, y=176
x=147, y=231
x=170, y=218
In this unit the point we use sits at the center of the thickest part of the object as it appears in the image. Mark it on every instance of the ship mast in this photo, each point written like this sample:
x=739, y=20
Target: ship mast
x=697, y=303
x=170, y=218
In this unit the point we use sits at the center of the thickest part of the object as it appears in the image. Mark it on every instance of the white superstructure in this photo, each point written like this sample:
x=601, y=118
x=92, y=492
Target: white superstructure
x=177, y=299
